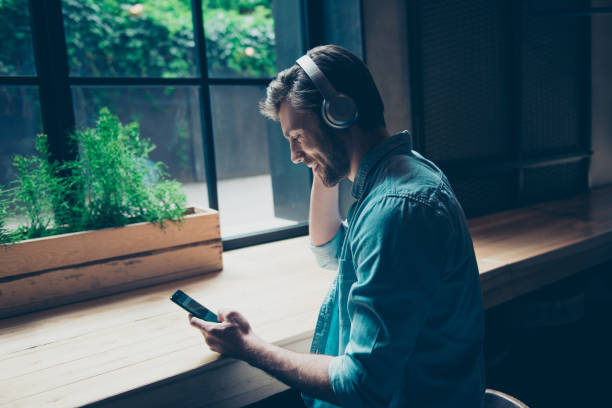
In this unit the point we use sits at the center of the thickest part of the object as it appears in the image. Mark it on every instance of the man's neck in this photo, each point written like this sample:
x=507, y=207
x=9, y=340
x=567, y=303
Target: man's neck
x=361, y=143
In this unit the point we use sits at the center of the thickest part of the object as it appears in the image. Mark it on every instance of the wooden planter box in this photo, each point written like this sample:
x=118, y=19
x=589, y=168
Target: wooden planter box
x=44, y=272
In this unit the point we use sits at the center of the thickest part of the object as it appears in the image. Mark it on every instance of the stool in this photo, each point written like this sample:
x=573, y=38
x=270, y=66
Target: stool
x=496, y=399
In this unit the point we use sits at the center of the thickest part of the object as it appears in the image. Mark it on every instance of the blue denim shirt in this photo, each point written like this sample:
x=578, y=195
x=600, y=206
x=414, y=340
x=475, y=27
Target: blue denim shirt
x=404, y=316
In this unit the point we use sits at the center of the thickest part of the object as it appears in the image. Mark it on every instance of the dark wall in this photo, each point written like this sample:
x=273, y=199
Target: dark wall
x=386, y=46
x=601, y=96
x=495, y=92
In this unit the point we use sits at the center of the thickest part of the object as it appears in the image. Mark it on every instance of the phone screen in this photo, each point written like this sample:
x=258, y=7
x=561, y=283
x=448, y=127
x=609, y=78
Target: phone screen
x=186, y=302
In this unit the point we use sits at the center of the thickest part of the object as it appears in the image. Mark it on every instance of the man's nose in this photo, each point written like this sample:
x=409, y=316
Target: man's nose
x=296, y=154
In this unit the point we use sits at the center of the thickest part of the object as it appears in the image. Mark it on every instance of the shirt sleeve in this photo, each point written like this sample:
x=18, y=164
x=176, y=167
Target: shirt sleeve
x=327, y=254
x=399, y=257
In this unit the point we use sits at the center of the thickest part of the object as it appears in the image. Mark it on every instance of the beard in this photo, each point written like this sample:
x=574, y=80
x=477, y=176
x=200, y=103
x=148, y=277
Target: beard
x=337, y=164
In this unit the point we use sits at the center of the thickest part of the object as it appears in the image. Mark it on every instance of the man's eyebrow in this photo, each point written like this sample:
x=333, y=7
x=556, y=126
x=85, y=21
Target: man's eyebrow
x=289, y=131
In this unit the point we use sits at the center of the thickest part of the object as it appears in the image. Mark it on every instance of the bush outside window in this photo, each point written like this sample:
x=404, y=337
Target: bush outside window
x=112, y=46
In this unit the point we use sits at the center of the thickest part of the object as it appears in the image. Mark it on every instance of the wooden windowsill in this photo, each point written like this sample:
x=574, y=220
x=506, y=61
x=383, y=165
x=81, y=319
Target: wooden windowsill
x=137, y=347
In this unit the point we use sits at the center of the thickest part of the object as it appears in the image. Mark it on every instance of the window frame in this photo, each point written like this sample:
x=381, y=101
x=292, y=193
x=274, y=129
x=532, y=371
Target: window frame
x=53, y=81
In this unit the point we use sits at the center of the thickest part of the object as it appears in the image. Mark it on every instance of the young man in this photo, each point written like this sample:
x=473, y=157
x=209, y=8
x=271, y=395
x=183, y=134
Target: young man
x=402, y=324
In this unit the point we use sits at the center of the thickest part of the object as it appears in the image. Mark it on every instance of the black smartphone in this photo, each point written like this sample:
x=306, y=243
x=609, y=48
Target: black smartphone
x=186, y=302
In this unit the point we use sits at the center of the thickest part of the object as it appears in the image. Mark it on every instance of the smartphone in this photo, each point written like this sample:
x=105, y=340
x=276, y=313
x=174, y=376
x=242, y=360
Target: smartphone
x=186, y=302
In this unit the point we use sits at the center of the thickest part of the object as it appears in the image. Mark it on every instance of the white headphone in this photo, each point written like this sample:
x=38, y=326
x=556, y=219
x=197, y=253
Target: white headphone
x=338, y=110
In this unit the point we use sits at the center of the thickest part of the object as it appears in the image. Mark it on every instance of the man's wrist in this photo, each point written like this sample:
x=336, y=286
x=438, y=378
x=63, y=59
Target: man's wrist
x=255, y=351
x=316, y=180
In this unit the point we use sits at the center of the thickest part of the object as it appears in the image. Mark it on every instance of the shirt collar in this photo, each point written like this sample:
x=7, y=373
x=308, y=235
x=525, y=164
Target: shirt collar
x=374, y=156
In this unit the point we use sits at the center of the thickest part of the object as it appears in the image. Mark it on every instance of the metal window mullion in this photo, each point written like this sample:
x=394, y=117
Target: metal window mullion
x=205, y=105
x=304, y=28
x=19, y=80
x=130, y=81
x=51, y=58
x=305, y=24
x=262, y=237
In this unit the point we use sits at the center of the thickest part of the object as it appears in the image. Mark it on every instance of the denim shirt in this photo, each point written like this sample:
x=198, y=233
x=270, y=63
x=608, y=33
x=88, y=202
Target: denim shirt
x=404, y=316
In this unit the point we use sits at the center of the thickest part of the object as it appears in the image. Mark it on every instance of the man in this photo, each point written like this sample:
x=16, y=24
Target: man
x=402, y=324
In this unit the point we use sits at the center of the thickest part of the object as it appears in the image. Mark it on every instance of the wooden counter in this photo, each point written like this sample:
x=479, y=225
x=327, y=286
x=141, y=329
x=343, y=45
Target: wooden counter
x=137, y=348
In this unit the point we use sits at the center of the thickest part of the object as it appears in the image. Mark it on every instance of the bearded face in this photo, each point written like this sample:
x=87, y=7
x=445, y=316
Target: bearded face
x=313, y=144
x=337, y=164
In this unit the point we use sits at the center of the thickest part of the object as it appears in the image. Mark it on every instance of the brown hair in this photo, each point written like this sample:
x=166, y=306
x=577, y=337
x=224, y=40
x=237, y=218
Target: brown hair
x=347, y=73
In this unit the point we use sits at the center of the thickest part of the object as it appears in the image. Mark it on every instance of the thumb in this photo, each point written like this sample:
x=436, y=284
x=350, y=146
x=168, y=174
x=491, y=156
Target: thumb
x=236, y=318
x=200, y=324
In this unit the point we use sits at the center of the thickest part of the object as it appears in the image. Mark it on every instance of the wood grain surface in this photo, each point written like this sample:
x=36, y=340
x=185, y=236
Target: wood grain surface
x=75, y=248
x=137, y=349
x=40, y=273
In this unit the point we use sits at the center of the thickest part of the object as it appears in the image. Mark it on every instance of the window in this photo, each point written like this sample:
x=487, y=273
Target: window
x=190, y=72
x=20, y=120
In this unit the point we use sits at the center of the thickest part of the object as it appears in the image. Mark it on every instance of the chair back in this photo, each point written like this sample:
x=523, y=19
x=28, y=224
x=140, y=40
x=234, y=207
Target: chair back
x=496, y=399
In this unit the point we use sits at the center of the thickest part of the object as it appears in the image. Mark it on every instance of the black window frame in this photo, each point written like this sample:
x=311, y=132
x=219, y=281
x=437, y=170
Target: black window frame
x=53, y=80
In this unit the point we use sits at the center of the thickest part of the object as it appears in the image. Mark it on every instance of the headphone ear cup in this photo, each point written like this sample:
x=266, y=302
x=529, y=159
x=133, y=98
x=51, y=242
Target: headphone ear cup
x=339, y=112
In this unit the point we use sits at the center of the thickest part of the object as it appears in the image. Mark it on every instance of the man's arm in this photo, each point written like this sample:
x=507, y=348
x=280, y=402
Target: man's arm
x=305, y=372
x=233, y=337
x=324, y=219
x=399, y=256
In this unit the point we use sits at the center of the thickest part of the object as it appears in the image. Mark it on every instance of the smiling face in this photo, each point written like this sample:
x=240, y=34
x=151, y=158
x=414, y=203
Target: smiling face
x=319, y=148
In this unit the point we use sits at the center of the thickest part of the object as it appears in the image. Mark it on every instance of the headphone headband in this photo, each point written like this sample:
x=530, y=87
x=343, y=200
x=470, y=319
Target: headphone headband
x=317, y=77
x=338, y=110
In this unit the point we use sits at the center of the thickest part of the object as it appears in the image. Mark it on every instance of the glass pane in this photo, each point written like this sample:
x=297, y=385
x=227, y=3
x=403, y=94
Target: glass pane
x=149, y=38
x=259, y=188
x=239, y=38
x=16, y=57
x=19, y=124
x=169, y=116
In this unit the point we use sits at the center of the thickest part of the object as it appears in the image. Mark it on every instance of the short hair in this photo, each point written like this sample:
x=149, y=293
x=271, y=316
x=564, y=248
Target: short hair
x=346, y=72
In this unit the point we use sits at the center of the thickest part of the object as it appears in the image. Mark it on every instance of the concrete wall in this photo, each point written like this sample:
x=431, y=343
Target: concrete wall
x=386, y=54
x=601, y=97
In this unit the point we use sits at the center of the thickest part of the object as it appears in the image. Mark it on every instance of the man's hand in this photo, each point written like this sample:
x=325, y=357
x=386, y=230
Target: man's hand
x=232, y=336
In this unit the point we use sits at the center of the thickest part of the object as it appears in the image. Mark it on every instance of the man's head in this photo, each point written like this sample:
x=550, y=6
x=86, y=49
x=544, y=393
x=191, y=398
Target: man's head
x=293, y=99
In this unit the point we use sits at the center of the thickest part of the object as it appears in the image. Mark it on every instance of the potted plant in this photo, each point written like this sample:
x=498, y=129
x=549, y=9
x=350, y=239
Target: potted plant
x=109, y=221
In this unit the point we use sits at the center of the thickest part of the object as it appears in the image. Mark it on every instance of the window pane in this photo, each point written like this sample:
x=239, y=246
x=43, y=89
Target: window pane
x=169, y=116
x=16, y=57
x=148, y=38
x=259, y=188
x=19, y=125
x=239, y=38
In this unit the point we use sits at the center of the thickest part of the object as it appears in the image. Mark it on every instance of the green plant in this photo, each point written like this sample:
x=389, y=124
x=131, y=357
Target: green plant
x=4, y=233
x=33, y=194
x=119, y=182
x=112, y=183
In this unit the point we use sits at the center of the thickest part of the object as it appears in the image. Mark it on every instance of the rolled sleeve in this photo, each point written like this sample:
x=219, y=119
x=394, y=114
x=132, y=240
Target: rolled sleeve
x=327, y=254
x=398, y=259
x=344, y=374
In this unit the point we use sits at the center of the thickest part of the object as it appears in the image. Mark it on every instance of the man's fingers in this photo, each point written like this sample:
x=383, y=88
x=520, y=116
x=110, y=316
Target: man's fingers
x=201, y=324
x=236, y=318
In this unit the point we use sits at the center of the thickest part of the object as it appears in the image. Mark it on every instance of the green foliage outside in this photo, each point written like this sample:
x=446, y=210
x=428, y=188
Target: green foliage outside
x=112, y=183
x=148, y=37
x=234, y=26
x=16, y=39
